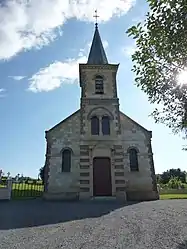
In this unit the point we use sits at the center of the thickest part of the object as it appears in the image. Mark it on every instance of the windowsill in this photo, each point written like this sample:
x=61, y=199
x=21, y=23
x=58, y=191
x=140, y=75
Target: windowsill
x=99, y=138
x=101, y=135
x=99, y=94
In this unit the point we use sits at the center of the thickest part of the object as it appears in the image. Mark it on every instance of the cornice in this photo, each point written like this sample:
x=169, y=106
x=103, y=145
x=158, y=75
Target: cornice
x=105, y=66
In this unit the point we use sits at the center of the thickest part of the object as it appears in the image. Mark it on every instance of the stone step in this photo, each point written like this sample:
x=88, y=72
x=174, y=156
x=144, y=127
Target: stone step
x=61, y=196
x=103, y=198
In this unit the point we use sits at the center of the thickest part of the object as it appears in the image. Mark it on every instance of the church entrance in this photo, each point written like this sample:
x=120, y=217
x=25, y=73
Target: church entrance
x=102, y=185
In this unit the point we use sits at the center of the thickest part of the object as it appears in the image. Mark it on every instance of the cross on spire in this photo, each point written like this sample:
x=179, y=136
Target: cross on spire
x=96, y=18
x=97, y=54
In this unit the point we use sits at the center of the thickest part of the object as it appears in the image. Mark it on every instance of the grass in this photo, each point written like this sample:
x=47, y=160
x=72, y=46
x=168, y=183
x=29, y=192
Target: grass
x=2, y=186
x=32, y=190
x=173, y=196
x=25, y=190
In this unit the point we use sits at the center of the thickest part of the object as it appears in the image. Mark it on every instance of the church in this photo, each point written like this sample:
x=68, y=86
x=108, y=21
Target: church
x=98, y=151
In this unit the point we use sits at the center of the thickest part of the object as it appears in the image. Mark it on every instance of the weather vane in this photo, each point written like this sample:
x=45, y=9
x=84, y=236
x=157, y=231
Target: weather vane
x=96, y=18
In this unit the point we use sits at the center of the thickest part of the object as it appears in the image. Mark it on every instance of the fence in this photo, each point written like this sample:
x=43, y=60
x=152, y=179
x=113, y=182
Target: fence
x=3, y=183
x=27, y=189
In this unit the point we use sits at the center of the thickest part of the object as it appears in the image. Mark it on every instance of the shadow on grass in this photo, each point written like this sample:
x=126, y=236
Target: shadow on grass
x=31, y=213
x=28, y=193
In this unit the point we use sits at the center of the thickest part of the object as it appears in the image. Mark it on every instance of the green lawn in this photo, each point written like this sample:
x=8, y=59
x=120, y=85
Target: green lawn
x=173, y=196
x=25, y=190
x=2, y=186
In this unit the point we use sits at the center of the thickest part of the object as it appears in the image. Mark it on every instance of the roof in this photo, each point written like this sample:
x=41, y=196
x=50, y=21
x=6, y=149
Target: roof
x=70, y=116
x=141, y=127
x=97, y=53
x=64, y=120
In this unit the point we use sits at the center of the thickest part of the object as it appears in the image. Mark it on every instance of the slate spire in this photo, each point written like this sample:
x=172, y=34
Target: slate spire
x=97, y=53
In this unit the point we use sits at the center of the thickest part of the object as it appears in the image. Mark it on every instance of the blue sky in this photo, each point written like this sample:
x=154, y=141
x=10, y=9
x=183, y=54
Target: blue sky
x=41, y=45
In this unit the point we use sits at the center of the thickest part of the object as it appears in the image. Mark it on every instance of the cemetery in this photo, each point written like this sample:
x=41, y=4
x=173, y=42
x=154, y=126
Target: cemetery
x=20, y=187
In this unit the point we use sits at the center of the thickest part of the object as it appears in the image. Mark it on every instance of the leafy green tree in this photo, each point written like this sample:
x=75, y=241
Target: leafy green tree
x=160, y=61
x=174, y=183
x=158, y=178
x=166, y=176
x=42, y=173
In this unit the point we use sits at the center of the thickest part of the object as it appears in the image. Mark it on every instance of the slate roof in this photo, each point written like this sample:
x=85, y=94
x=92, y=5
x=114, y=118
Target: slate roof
x=97, y=53
x=121, y=116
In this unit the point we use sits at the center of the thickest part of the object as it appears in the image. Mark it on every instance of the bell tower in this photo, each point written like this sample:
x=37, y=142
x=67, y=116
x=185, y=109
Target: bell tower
x=98, y=89
x=100, y=128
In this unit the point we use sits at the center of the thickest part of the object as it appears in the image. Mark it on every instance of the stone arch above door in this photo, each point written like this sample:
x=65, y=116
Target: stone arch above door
x=101, y=150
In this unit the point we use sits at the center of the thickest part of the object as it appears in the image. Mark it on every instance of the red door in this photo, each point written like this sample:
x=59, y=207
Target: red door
x=102, y=176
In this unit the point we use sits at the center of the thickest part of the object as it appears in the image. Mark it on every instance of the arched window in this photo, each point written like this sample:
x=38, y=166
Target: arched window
x=66, y=160
x=95, y=125
x=106, y=125
x=99, y=87
x=133, y=157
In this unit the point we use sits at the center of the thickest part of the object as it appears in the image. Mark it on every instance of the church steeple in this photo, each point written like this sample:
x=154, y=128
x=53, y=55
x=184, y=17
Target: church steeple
x=97, y=53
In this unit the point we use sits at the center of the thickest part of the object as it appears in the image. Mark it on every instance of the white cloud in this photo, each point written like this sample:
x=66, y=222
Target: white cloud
x=129, y=50
x=105, y=44
x=27, y=24
x=55, y=75
x=2, y=92
x=17, y=77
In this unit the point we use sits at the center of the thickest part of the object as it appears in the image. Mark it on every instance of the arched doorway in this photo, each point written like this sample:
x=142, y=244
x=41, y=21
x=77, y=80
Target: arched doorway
x=102, y=184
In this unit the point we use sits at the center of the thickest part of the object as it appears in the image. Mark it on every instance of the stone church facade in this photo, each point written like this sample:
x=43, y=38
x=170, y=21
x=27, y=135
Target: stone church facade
x=98, y=150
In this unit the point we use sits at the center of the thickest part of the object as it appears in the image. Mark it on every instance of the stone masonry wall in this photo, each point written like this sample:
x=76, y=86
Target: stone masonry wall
x=144, y=180
x=65, y=135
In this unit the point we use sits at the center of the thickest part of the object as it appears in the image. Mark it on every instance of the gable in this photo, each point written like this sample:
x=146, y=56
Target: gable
x=64, y=121
x=130, y=123
x=133, y=124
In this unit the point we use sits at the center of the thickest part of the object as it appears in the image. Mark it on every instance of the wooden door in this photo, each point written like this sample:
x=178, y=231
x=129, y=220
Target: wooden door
x=102, y=185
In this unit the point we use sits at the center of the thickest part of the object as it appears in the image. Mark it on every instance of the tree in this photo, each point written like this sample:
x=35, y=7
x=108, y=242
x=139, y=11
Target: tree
x=160, y=61
x=158, y=178
x=42, y=173
x=174, y=183
x=166, y=176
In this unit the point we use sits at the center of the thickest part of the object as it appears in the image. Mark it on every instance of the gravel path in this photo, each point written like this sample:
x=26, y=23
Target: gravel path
x=88, y=225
